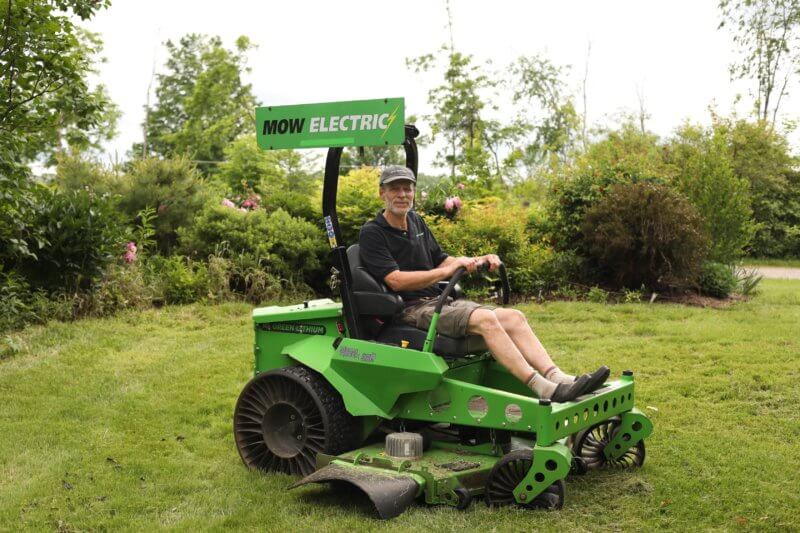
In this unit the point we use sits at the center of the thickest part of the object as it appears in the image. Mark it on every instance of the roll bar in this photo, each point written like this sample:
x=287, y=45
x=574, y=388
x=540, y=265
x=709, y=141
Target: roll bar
x=330, y=188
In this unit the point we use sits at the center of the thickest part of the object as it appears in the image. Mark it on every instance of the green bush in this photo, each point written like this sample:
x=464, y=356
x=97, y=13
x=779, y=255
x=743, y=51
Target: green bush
x=77, y=172
x=289, y=248
x=15, y=308
x=173, y=187
x=278, y=176
x=643, y=234
x=624, y=156
x=178, y=279
x=82, y=233
x=17, y=212
x=718, y=280
x=704, y=173
x=492, y=229
x=597, y=295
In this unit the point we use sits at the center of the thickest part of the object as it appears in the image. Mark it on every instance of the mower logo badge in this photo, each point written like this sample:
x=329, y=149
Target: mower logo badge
x=353, y=353
x=354, y=123
x=293, y=327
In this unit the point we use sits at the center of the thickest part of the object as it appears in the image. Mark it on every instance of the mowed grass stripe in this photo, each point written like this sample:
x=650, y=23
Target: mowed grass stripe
x=125, y=423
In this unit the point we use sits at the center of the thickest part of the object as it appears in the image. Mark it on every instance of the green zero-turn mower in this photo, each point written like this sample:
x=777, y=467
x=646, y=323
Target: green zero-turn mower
x=344, y=392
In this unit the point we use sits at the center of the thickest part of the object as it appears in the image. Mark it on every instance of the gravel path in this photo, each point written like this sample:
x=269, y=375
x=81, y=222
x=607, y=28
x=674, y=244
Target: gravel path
x=778, y=272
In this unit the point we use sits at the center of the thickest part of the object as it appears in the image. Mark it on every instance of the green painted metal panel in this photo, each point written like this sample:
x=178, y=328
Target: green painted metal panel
x=312, y=309
x=634, y=426
x=383, y=373
x=369, y=376
x=550, y=463
x=355, y=123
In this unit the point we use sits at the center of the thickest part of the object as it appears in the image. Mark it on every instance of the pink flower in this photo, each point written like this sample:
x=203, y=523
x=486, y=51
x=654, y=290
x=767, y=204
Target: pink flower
x=457, y=202
x=228, y=203
x=461, y=186
x=248, y=204
x=129, y=257
x=448, y=204
x=131, y=247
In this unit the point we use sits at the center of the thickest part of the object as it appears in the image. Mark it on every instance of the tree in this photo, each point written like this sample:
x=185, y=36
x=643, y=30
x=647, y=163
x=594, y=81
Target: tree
x=767, y=33
x=202, y=103
x=46, y=102
x=458, y=105
x=704, y=173
x=536, y=80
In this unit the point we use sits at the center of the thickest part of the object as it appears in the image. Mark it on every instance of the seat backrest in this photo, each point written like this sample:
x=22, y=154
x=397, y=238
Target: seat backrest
x=362, y=280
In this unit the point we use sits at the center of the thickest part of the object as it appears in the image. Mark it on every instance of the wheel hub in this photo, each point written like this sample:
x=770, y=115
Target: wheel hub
x=284, y=430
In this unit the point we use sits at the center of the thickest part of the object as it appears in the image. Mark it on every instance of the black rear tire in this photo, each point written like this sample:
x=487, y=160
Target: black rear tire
x=284, y=417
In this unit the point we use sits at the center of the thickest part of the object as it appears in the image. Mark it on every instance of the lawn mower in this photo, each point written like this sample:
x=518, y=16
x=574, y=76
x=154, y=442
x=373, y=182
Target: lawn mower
x=345, y=393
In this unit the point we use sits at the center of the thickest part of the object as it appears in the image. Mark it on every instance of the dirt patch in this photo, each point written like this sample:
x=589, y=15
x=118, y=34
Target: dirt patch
x=697, y=300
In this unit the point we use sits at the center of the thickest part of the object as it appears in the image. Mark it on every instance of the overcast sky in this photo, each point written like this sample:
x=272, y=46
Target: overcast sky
x=668, y=51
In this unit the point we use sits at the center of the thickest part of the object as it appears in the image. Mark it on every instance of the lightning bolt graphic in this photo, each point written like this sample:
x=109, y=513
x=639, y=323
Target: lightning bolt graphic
x=390, y=120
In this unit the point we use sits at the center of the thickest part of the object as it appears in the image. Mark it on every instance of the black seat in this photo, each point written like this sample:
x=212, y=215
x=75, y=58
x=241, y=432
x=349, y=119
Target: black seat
x=378, y=314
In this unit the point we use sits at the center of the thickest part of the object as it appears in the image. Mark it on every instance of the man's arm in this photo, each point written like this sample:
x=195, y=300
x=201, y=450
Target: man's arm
x=419, y=279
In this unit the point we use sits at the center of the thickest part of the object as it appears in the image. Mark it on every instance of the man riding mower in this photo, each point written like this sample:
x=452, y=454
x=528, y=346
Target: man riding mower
x=405, y=403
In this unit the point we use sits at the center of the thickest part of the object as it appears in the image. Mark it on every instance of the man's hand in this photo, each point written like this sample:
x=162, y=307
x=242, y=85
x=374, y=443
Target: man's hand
x=469, y=263
x=492, y=259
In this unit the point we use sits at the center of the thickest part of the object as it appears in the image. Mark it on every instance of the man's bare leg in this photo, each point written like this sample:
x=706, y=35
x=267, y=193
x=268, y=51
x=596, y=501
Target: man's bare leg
x=516, y=326
x=484, y=322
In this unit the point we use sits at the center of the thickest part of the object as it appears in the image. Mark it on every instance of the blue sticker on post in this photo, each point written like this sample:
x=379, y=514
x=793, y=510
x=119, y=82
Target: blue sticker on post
x=331, y=233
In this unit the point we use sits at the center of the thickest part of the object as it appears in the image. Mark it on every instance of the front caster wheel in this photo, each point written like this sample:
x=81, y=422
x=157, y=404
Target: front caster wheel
x=284, y=417
x=507, y=474
x=590, y=443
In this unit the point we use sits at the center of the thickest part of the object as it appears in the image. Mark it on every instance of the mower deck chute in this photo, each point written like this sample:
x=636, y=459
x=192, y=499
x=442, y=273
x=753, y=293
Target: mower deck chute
x=391, y=493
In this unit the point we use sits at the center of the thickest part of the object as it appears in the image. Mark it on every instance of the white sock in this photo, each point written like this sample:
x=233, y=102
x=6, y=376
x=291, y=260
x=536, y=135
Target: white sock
x=544, y=388
x=557, y=376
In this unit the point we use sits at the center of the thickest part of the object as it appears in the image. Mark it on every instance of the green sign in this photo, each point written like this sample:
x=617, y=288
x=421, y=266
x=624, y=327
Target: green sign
x=356, y=123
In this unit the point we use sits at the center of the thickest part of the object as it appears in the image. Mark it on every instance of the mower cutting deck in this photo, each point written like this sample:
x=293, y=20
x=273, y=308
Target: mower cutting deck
x=343, y=392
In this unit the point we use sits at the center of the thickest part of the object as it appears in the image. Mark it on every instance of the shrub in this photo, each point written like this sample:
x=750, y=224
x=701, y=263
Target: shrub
x=760, y=155
x=83, y=234
x=705, y=175
x=624, y=156
x=15, y=308
x=717, y=280
x=597, y=295
x=495, y=230
x=76, y=173
x=173, y=187
x=17, y=211
x=179, y=280
x=643, y=234
x=287, y=247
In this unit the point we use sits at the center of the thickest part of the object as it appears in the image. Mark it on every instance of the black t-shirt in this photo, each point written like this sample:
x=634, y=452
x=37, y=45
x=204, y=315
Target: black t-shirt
x=385, y=249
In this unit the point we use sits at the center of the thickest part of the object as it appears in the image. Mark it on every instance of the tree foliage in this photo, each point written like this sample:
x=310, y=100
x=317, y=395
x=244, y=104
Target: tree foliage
x=704, y=173
x=459, y=107
x=767, y=33
x=46, y=101
x=202, y=103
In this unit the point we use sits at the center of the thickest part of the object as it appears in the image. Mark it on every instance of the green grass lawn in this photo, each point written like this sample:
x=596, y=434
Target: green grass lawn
x=769, y=261
x=125, y=423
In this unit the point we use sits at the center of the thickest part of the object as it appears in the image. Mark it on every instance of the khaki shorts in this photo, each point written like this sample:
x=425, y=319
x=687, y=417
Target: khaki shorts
x=452, y=321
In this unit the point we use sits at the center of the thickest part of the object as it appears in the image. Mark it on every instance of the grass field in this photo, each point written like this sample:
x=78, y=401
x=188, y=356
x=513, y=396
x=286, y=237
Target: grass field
x=768, y=261
x=125, y=423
